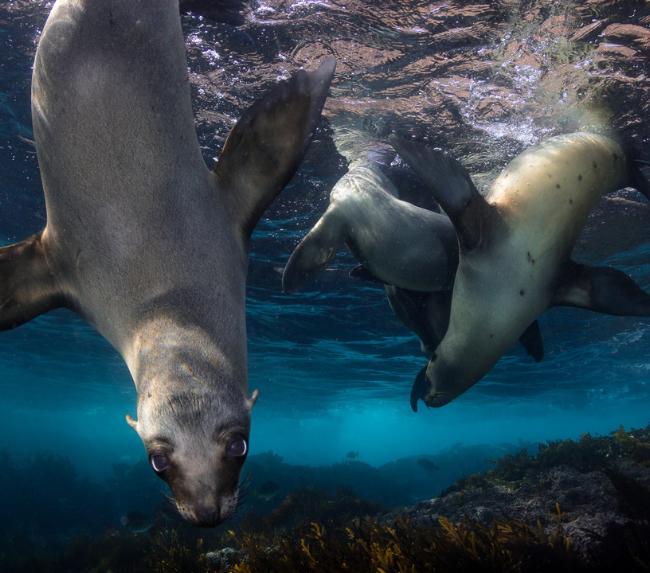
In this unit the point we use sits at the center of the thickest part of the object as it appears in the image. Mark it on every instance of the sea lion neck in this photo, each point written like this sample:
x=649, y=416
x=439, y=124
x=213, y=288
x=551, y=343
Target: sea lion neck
x=173, y=351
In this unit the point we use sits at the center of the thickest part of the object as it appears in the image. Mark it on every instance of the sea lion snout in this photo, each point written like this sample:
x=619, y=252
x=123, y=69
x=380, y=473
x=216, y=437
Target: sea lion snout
x=205, y=491
x=429, y=390
x=203, y=516
x=204, y=513
x=208, y=496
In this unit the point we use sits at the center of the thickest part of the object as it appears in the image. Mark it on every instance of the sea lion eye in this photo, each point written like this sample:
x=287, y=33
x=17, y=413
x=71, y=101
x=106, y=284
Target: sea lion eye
x=159, y=462
x=237, y=447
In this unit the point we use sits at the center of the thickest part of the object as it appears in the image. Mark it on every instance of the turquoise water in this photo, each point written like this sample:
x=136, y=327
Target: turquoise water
x=333, y=364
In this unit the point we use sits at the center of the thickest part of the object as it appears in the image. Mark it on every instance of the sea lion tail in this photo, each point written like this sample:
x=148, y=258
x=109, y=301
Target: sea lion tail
x=27, y=285
x=316, y=249
x=362, y=142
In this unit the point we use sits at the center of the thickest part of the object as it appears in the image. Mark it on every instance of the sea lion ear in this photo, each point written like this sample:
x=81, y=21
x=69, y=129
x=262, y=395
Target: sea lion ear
x=131, y=422
x=266, y=146
x=254, y=396
x=420, y=388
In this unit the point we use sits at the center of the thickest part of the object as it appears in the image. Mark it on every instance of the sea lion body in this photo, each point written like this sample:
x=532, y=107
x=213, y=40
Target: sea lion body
x=515, y=252
x=143, y=240
x=543, y=198
x=412, y=250
x=397, y=242
x=110, y=128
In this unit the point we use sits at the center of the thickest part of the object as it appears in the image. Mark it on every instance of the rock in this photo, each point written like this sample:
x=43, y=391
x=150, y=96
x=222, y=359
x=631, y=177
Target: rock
x=615, y=51
x=628, y=34
x=588, y=32
x=593, y=490
x=224, y=558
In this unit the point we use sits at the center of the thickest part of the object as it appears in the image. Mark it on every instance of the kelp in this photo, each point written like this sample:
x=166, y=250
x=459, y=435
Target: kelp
x=401, y=547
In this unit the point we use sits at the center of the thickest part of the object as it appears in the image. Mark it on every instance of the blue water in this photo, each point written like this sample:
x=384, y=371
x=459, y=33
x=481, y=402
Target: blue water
x=333, y=365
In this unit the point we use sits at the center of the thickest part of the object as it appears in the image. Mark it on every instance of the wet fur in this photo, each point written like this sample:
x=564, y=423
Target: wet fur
x=145, y=241
x=399, y=243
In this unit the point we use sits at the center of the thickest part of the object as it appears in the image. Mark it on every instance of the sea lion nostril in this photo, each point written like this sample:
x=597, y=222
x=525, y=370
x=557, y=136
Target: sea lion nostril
x=205, y=516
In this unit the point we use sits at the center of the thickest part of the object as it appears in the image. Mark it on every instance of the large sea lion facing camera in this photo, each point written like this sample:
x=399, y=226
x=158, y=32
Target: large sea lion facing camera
x=143, y=240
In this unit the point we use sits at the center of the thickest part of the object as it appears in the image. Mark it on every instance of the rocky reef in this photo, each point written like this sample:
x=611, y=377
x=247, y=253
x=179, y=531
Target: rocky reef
x=593, y=491
x=574, y=506
x=579, y=505
x=483, y=79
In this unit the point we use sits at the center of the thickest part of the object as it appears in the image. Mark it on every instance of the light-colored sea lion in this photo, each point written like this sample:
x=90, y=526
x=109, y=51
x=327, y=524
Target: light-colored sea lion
x=515, y=247
x=143, y=240
x=412, y=250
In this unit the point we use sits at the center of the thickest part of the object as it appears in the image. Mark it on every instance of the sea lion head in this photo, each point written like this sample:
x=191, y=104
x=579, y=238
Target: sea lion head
x=196, y=436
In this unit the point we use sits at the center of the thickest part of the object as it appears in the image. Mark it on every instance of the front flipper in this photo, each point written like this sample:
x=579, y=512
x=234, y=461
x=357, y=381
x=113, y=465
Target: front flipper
x=452, y=187
x=601, y=289
x=27, y=286
x=316, y=250
x=266, y=146
x=532, y=341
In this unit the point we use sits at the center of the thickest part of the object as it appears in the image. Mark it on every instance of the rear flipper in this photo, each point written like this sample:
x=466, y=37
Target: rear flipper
x=317, y=248
x=602, y=289
x=426, y=314
x=27, y=286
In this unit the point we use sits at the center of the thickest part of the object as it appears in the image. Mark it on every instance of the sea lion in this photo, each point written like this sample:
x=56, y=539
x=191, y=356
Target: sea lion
x=397, y=242
x=412, y=250
x=515, y=247
x=143, y=240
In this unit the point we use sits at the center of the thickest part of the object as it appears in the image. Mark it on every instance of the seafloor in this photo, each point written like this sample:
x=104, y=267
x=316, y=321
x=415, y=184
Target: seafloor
x=572, y=506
